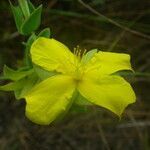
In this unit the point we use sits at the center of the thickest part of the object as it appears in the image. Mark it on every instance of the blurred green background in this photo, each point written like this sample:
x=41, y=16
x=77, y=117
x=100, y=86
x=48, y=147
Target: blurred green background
x=74, y=24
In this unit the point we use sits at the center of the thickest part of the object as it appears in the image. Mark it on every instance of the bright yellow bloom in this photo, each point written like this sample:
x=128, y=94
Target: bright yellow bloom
x=93, y=78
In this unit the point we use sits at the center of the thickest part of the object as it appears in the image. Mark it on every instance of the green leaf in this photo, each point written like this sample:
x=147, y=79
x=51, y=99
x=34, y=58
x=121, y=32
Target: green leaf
x=18, y=16
x=12, y=86
x=31, y=6
x=29, y=82
x=31, y=39
x=43, y=74
x=87, y=57
x=24, y=7
x=21, y=87
x=78, y=109
x=45, y=33
x=11, y=74
x=80, y=100
x=33, y=22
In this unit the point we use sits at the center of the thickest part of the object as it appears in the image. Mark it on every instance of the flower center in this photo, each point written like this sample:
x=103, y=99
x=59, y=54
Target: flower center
x=79, y=70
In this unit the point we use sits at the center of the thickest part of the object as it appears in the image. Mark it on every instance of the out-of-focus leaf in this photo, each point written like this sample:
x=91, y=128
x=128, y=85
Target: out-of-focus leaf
x=80, y=100
x=29, y=82
x=18, y=16
x=22, y=86
x=31, y=6
x=43, y=74
x=24, y=7
x=11, y=74
x=78, y=109
x=12, y=86
x=31, y=39
x=33, y=22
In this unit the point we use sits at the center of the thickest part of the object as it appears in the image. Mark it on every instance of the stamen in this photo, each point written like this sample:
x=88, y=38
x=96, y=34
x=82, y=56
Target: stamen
x=84, y=52
x=75, y=50
x=78, y=52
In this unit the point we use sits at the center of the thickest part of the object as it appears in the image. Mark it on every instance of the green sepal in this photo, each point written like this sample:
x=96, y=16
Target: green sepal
x=80, y=100
x=18, y=16
x=80, y=104
x=43, y=74
x=27, y=58
x=78, y=109
x=33, y=22
x=29, y=83
x=31, y=39
x=45, y=33
x=14, y=75
x=87, y=57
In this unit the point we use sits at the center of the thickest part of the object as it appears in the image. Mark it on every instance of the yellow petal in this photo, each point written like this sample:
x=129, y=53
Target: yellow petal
x=52, y=55
x=104, y=63
x=49, y=99
x=111, y=92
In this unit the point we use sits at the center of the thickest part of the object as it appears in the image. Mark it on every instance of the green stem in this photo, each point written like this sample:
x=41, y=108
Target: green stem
x=143, y=74
x=27, y=57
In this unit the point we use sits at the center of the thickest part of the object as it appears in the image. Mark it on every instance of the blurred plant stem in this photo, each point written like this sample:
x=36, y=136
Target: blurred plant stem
x=114, y=22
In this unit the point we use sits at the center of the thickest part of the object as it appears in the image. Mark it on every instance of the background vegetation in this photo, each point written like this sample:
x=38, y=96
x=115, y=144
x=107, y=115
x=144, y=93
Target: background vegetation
x=75, y=23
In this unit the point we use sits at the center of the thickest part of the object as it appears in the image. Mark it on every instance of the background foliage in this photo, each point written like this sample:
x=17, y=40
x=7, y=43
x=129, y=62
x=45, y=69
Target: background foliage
x=72, y=23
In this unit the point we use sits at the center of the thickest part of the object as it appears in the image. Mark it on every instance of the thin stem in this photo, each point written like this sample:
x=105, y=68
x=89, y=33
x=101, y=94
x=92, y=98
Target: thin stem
x=114, y=22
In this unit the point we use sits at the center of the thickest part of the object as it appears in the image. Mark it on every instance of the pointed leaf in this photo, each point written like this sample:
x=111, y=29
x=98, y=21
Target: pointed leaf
x=31, y=39
x=13, y=86
x=78, y=109
x=24, y=7
x=18, y=16
x=11, y=74
x=33, y=22
x=80, y=100
x=29, y=82
x=31, y=6
x=21, y=87
x=45, y=33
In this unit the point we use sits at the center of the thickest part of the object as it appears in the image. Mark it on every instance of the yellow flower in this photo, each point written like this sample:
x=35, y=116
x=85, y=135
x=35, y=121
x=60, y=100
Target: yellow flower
x=93, y=78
